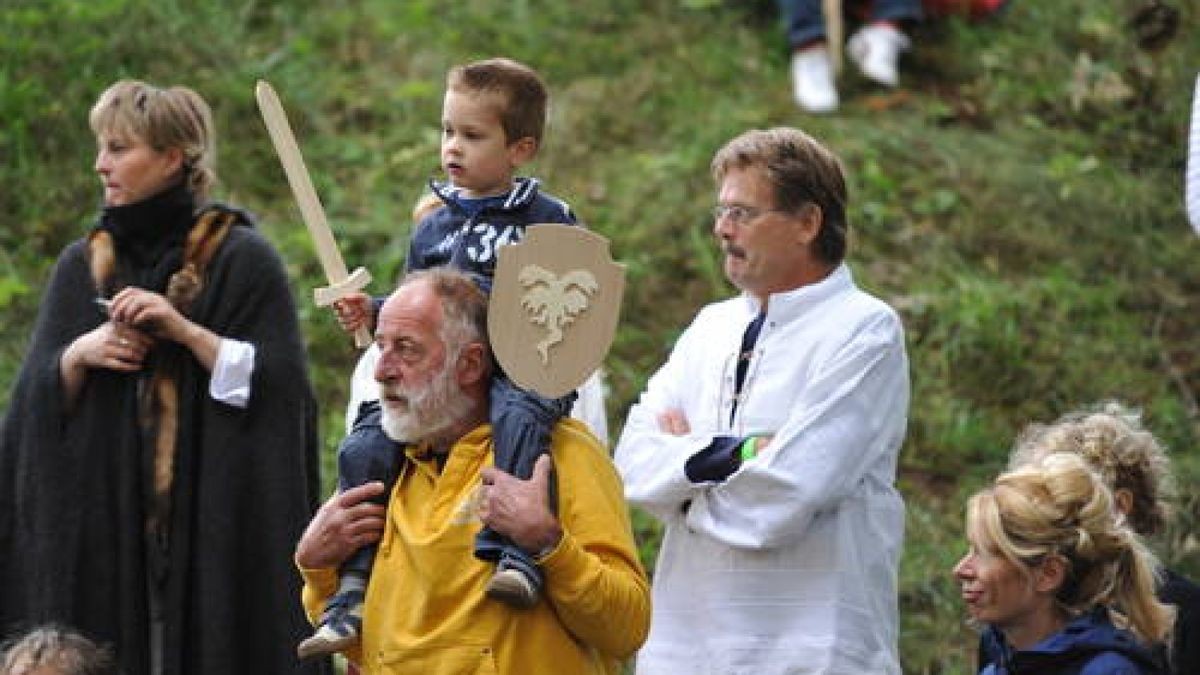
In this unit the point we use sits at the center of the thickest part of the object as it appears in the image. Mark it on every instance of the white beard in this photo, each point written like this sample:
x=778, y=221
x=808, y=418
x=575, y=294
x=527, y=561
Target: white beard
x=423, y=412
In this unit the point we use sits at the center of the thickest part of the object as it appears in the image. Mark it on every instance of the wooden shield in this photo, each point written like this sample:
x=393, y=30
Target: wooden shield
x=553, y=312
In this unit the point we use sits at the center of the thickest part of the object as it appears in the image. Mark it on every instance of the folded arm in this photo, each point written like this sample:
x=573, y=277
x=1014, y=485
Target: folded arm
x=658, y=440
x=846, y=423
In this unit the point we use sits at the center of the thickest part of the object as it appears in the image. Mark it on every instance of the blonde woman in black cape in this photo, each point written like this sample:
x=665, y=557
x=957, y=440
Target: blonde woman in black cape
x=158, y=459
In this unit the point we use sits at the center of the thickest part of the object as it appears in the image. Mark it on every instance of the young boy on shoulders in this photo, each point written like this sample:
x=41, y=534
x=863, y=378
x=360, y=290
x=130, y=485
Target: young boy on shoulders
x=493, y=116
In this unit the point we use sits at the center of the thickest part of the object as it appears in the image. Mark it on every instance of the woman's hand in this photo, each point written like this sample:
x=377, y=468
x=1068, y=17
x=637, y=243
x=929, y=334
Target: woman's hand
x=153, y=313
x=148, y=311
x=111, y=346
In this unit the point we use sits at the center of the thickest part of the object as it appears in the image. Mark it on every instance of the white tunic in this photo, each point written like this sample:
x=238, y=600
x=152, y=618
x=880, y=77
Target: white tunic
x=789, y=565
x=1192, y=176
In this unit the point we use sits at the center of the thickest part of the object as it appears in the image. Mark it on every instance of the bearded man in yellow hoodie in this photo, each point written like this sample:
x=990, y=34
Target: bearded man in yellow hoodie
x=425, y=610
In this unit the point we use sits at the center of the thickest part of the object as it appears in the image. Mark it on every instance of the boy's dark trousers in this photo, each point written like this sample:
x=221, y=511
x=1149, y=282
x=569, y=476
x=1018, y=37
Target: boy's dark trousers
x=521, y=425
x=366, y=455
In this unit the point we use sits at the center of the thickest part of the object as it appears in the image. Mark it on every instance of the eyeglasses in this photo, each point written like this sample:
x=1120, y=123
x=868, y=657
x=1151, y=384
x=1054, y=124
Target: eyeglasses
x=740, y=215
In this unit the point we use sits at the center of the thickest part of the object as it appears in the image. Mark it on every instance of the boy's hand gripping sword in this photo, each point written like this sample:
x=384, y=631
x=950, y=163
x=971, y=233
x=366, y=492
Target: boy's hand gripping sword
x=341, y=283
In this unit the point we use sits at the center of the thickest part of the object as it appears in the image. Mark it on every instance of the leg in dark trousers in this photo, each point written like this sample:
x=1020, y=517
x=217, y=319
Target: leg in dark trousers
x=521, y=425
x=365, y=455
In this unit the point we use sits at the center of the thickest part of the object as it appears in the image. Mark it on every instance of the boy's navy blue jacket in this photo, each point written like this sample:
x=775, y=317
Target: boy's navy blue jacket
x=1087, y=645
x=465, y=235
x=467, y=239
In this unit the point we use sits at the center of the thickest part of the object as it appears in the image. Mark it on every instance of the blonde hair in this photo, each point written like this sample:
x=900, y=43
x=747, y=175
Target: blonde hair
x=64, y=651
x=1110, y=437
x=175, y=117
x=1058, y=506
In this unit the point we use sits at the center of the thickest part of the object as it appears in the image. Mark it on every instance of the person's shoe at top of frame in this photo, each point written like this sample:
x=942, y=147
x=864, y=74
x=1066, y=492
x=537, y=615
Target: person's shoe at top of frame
x=812, y=79
x=876, y=49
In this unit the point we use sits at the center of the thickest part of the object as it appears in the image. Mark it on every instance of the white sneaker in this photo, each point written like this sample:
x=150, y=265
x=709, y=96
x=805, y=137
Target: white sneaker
x=513, y=588
x=339, y=630
x=875, y=49
x=326, y=640
x=812, y=80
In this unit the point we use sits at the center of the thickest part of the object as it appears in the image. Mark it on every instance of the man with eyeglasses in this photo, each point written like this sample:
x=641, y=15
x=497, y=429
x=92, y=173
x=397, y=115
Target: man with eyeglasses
x=767, y=444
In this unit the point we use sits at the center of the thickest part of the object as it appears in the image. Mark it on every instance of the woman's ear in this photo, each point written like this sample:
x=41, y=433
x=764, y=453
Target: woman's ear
x=1123, y=499
x=174, y=159
x=1050, y=574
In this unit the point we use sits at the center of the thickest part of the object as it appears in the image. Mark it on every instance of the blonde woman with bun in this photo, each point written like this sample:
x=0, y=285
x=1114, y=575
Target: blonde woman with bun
x=1111, y=438
x=1059, y=583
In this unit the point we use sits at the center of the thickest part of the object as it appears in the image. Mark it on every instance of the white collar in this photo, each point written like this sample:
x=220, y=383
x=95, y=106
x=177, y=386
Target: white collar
x=787, y=305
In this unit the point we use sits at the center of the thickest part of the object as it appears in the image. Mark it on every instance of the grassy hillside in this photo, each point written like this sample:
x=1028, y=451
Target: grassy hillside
x=1019, y=200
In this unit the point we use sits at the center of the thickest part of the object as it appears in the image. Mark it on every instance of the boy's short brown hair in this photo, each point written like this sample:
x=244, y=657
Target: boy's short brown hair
x=522, y=92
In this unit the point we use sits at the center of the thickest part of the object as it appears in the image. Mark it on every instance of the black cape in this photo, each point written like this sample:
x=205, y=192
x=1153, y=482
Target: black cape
x=1180, y=591
x=72, y=548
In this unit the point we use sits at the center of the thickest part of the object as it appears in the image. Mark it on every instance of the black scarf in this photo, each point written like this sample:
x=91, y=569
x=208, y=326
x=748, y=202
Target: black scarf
x=149, y=235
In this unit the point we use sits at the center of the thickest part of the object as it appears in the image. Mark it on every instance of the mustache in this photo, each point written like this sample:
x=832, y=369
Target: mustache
x=397, y=390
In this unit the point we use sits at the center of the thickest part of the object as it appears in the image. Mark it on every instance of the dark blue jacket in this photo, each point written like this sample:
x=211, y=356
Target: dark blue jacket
x=1175, y=589
x=1088, y=645
x=468, y=241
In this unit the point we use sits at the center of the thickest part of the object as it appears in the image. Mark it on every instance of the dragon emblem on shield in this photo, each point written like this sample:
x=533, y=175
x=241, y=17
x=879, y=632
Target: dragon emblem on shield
x=553, y=310
x=554, y=302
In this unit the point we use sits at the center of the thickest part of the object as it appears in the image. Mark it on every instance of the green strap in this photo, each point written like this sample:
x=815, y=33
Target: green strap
x=748, y=448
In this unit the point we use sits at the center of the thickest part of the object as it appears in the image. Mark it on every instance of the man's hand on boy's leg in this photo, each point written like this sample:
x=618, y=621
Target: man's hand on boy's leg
x=343, y=524
x=520, y=509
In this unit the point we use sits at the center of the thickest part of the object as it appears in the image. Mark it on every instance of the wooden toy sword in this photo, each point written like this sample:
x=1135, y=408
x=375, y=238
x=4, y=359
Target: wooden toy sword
x=341, y=283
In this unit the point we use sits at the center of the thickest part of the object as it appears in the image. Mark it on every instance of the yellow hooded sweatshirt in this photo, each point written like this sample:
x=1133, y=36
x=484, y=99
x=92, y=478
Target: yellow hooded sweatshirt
x=425, y=611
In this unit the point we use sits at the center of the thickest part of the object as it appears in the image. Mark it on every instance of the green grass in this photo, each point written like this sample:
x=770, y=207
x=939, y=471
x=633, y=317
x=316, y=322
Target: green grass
x=1020, y=202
